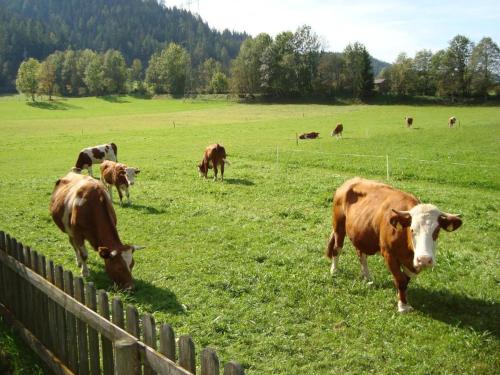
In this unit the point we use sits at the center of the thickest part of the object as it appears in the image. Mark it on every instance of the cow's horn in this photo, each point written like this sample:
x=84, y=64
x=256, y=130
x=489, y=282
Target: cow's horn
x=401, y=212
x=136, y=247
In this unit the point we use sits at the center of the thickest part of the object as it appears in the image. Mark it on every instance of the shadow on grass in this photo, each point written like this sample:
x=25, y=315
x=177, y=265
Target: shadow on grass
x=53, y=105
x=145, y=209
x=144, y=293
x=238, y=181
x=457, y=310
x=114, y=99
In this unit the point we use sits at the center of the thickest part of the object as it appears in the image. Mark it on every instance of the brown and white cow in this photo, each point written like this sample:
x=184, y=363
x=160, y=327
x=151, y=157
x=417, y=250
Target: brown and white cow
x=214, y=156
x=311, y=135
x=118, y=175
x=379, y=218
x=408, y=121
x=96, y=155
x=451, y=121
x=337, y=132
x=80, y=206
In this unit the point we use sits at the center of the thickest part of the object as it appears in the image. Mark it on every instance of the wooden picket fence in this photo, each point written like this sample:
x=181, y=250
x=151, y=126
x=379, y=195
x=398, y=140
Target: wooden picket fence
x=72, y=328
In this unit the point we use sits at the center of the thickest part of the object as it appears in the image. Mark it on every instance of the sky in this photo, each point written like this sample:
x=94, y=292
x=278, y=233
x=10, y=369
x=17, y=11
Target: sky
x=386, y=28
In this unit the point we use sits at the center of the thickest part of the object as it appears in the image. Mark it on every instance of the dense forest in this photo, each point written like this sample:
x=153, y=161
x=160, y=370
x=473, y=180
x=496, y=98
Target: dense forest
x=136, y=28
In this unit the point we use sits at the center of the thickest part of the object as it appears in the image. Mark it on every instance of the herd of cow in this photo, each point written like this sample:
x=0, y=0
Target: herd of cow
x=376, y=217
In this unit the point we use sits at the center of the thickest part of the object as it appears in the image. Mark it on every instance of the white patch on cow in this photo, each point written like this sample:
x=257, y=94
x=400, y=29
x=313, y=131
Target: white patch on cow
x=79, y=201
x=130, y=173
x=424, y=221
x=127, y=257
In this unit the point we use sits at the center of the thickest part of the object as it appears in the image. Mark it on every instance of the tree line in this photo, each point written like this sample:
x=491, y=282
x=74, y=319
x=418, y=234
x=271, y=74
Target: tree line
x=462, y=70
x=293, y=64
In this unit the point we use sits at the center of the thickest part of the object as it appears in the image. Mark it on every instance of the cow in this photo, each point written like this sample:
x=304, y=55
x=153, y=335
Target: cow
x=118, y=175
x=409, y=121
x=311, y=135
x=337, y=132
x=96, y=155
x=451, y=121
x=379, y=218
x=81, y=207
x=213, y=156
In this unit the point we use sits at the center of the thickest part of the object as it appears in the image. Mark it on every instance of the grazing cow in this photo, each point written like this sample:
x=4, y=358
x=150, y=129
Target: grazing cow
x=80, y=206
x=379, y=218
x=96, y=155
x=409, y=121
x=118, y=175
x=451, y=121
x=337, y=132
x=311, y=135
x=213, y=156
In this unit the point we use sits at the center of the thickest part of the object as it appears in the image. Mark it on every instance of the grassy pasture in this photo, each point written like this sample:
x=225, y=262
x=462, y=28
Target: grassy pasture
x=240, y=265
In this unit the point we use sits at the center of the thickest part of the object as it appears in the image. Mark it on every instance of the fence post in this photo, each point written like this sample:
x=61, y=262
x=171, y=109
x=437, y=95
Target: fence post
x=209, y=362
x=81, y=327
x=52, y=322
x=107, y=348
x=60, y=319
x=91, y=302
x=167, y=341
x=70, y=339
x=126, y=358
x=149, y=327
x=117, y=312
x=233, y=368
x=187, y=354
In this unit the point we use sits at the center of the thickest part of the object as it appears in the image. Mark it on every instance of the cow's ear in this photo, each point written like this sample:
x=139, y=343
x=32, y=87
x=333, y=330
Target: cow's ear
x=449, y=222
x=137, y=171
x=400, y=219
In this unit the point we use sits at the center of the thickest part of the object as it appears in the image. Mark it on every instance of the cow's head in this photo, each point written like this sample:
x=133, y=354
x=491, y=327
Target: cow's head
x=202, y=169
x=425, y=221
x=119, y=264
x=131, y=173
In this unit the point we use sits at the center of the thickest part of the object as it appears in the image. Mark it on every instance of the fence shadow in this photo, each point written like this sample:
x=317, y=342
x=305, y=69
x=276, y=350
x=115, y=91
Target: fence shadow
x=52, y=105
x=457, y=310
x=238, y=181
x=149, y=296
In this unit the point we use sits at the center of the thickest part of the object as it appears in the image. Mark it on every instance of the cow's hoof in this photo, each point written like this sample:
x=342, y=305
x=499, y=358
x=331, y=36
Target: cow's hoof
x=404, y=308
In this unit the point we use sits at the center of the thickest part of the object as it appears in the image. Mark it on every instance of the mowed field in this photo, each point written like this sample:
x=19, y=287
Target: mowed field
x=240, y=265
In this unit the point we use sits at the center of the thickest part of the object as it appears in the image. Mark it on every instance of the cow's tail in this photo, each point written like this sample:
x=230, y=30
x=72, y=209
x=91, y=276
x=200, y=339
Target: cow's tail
x=330, y=248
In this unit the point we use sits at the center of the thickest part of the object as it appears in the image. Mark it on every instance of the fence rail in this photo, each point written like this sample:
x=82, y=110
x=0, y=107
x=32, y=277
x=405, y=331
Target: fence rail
x=71, y=327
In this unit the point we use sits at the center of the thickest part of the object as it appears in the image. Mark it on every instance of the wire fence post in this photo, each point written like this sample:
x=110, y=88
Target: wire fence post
x=387, y=165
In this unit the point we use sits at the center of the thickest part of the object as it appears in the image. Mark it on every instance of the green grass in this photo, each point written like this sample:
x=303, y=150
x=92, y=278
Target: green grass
x=240, y=265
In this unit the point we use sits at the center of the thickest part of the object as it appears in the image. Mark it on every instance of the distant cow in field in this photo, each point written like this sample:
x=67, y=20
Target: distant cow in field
x=96, y=155
x=409, y=121
x=311, y=135
x=118, y=175
x=337, y=132
x=379, y=218
x=214, y=156
x=452, y=121
x=80, y=206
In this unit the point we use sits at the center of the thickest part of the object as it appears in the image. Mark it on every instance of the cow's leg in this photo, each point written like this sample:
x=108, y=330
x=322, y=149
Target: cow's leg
x=89, y=170
x=127, y=194
x=110, y=191
x=215, y=172
x=365, y=272
x=336, y=241
x=81, y=255
x=400, y=281
x=120, y=194
x=222, y=171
